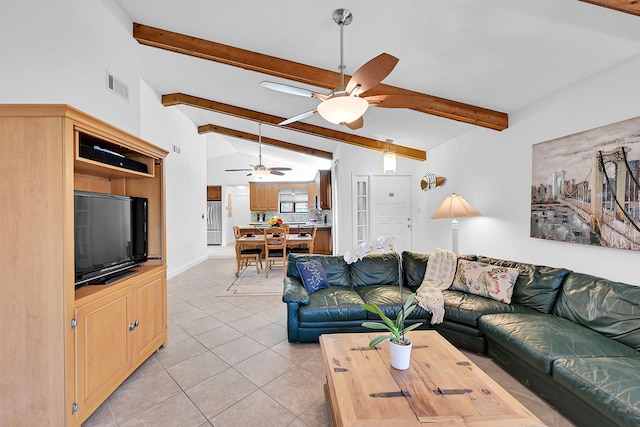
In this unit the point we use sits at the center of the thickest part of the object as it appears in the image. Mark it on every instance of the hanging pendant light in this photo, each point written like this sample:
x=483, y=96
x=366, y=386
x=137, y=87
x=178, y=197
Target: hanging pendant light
x=389, y=159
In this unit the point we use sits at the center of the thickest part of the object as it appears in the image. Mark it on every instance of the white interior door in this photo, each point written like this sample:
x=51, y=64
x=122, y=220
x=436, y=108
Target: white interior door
x=391, y=209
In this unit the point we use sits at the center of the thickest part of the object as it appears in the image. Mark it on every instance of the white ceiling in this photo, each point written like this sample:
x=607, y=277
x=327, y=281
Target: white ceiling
x=496, y=54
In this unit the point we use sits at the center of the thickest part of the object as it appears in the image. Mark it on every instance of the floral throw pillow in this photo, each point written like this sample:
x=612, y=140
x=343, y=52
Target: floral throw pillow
x=313, y=275
x=486, y=280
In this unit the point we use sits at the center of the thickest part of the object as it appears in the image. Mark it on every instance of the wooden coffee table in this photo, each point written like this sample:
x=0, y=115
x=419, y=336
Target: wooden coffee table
x=441, y=387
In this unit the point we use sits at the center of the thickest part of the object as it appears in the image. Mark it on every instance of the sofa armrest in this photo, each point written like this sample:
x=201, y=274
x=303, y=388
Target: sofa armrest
x=294, y=291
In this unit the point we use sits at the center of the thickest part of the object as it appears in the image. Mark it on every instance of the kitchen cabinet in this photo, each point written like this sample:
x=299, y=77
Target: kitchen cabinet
x=214, y=192
x=323, y=243
x=323, y=190
x=263, y=196
x=70, y=348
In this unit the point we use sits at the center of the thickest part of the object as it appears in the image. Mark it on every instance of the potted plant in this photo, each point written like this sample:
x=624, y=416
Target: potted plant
x=399, y=345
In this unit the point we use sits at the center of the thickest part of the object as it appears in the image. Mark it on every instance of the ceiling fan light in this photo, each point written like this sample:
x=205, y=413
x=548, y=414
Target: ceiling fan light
x=342, y=109
x=260, y=173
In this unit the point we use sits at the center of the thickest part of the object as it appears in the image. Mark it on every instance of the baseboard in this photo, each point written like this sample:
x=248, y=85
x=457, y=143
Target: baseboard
x=172, y=272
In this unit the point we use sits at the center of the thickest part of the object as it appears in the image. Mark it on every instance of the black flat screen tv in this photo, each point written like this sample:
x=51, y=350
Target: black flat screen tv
x=110, y=235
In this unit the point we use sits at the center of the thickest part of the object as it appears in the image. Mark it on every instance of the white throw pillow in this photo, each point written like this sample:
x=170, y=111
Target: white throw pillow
x=491, y=281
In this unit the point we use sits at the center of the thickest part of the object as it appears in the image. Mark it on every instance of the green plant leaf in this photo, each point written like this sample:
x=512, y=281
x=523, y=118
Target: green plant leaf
x=373, y=308
x=377, y=340
x=375, y=325
x=412, y=327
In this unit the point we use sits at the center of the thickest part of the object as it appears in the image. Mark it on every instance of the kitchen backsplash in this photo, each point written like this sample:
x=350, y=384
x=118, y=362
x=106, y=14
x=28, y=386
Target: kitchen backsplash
x=293, y=217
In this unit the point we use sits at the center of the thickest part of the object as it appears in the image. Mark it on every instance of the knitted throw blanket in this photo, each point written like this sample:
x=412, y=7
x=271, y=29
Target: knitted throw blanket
x=439, y=274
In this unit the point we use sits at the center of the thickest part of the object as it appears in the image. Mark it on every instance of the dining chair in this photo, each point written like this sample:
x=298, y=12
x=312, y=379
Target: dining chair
x=275, y=244
x=308, y=248
x=246, y=254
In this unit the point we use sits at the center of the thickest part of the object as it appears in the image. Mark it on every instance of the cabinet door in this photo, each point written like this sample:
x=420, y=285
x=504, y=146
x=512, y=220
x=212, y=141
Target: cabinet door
x=254, y=196
x=272, y=197
x=102, y=348
x=214, y=192
x=323, y=244
x=325, y=190
x=150, y=330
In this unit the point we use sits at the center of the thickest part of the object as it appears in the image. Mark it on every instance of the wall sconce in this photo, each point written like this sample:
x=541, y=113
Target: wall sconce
x=389, y=159
x=455, y=207
x=430, y=181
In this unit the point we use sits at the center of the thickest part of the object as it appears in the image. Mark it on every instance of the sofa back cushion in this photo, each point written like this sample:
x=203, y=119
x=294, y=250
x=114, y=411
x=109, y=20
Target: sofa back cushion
x=337, y=270
x=375, y=269
x=610, y=308
x=537, y=286
x=414, y=266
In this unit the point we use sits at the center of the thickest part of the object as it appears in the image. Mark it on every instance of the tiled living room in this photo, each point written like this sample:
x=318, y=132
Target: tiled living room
x=228, y=363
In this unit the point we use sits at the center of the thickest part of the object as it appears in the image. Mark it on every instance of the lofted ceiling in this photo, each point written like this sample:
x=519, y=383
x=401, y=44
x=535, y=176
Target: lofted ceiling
x=493, y=56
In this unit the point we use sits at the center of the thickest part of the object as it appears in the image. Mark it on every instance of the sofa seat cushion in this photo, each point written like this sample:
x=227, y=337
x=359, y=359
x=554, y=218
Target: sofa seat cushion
x=334, y=303
x=387, y=298
x=465, y=308
x=609, y=384
x=541, y=338
x=537, y=285
x=611, y=308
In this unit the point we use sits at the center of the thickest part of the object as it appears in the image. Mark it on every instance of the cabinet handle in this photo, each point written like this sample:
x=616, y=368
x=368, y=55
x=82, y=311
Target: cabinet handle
x=133, y=325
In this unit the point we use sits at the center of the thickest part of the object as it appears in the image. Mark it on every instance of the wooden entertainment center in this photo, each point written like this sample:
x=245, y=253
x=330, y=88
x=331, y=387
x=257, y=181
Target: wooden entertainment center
x=64, y=351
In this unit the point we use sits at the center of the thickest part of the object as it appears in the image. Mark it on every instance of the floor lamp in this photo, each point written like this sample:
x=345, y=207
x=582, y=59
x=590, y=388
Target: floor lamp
x=455, y=207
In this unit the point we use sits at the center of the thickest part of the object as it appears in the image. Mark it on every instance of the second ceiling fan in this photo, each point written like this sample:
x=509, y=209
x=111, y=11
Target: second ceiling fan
x=344, y=105
x=260, y=170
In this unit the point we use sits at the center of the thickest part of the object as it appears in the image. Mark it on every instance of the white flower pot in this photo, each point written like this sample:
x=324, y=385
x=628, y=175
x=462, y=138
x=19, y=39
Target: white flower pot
x=400, y=355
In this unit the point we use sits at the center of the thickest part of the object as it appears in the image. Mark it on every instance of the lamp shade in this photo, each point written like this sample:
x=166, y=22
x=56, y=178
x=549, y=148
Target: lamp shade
x=455, y=206
x=342, y=109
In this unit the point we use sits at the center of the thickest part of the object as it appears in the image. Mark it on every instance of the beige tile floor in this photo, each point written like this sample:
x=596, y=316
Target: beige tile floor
x=228, y=363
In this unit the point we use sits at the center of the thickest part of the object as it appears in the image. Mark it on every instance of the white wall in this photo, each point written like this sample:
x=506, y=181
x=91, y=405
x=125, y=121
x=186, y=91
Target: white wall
x=492, y=171
x=185, y=180
x=59, y=52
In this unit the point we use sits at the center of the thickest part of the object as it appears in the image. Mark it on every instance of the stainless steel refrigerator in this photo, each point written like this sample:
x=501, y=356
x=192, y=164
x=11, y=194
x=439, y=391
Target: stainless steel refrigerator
x=214, y=222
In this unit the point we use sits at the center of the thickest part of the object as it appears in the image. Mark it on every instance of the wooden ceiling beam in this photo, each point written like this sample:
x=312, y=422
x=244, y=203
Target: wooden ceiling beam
x=307, y=74
x=267, y=141
x=626, y=6
x=243, y=113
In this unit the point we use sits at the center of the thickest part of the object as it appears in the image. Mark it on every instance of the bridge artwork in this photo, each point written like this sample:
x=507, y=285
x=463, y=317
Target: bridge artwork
x=585, y=187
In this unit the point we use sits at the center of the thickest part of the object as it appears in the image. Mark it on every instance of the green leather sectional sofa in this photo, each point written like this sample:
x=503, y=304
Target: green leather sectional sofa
x=572, y=338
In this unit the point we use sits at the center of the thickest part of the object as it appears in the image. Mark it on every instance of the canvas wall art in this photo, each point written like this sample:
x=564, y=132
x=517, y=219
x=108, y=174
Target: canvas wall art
x=585, y=187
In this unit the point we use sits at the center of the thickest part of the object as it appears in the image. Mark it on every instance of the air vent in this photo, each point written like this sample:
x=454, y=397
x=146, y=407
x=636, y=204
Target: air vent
x=117, y=86
x=176, y=149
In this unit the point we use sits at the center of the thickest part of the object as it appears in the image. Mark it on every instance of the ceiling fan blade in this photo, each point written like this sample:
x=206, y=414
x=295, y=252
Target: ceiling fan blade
x=276, y=173
x=298, y=117
x=292, y=90
x=398, y=101
x=372, y=73
x=279, y=169
x=237, y=170
x=356, y=124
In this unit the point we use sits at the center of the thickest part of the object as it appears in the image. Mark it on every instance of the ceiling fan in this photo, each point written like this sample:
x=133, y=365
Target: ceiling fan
x=260, y=170
x=344, y=105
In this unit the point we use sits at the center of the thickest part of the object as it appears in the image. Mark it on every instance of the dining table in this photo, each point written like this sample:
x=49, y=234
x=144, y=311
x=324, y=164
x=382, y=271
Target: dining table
x=257, y=240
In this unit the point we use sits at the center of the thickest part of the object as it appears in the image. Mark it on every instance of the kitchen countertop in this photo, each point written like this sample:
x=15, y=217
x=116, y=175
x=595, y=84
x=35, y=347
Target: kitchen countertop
x=291, y=224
